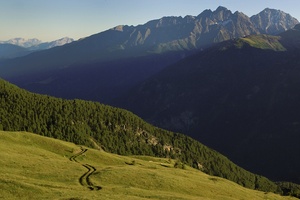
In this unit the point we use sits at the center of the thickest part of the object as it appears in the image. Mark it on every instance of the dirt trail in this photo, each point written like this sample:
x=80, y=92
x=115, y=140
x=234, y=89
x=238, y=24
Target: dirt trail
x=84, y=180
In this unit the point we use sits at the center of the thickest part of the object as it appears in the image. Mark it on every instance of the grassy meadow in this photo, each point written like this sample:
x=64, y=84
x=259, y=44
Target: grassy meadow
x=36, y=167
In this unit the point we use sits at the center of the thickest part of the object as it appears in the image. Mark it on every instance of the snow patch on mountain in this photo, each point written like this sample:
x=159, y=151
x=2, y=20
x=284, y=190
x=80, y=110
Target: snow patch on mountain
x=22, y=42
x=48, y=45
x=36, y=44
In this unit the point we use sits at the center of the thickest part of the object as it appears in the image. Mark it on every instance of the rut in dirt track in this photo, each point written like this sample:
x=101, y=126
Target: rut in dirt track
x=84, y=180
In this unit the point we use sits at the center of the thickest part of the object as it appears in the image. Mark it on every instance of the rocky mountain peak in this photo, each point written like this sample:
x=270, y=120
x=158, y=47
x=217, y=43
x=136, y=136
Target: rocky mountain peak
x=170, y=34
x=272, y=21
x=190, y=32
x=222, y=14
x=221, y=9
x=205, y=14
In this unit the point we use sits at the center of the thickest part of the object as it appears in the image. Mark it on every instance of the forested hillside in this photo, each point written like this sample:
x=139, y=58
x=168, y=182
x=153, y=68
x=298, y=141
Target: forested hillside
x=115, y=130
x=240, y=97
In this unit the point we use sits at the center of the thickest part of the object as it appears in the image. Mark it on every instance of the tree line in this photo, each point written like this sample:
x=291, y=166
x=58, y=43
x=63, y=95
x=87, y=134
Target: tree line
x=116, y=131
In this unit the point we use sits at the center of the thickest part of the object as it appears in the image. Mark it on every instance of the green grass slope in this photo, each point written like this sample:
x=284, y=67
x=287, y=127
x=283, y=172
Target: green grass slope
x=116, y=131
x=262, y=42
x=37, y=167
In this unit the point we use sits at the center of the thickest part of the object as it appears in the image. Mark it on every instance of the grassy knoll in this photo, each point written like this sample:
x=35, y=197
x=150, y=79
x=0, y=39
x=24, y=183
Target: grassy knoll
x=36, y=167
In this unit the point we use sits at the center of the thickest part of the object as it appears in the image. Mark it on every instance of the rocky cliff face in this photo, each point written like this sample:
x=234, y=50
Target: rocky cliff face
x=177, y=33
x=271, y=21
x=167, y=34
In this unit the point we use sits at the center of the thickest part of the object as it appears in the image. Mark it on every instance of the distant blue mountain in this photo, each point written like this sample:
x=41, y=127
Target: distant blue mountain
x=12, y=51
x=18, y=47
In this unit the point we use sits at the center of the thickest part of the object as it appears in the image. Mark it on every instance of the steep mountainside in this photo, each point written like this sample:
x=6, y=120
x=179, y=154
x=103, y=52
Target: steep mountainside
x=45, y=71
x=240, y=97
x=12, y=51
x=271, y=21
x=114, y=130
x=99, y=81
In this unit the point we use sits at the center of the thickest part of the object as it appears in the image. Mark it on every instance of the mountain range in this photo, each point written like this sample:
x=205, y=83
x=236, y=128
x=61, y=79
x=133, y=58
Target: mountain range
x=239, y=97
x=108, y=54
x=48, y=45
x=18, y=47
x=223, y=78
x=36, y=44
x=22, y=42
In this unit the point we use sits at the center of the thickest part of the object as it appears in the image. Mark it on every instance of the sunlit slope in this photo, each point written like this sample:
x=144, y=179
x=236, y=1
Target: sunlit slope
x=262, y=42
x=36, y=167
x=116, y=131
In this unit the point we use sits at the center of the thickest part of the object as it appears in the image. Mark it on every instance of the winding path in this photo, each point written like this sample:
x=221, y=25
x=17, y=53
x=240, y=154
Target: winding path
x=84, y=180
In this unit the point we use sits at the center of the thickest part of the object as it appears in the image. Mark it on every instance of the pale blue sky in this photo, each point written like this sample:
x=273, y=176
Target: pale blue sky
x=53, y=19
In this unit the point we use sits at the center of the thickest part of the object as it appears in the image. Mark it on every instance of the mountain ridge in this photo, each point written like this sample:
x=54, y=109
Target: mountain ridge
x=133, y=46
x=243, y=89
x=22, y=42
x=36, y=44
x=156, y=36
x=18, y=47
x=49, y=45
